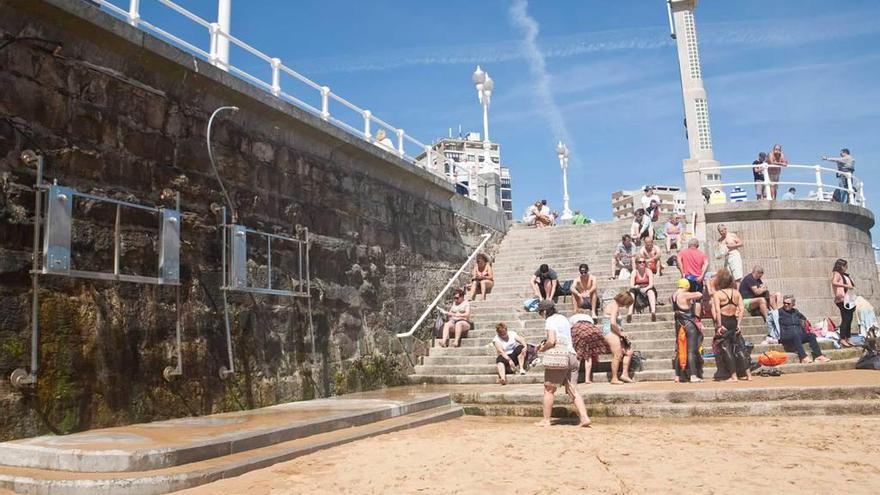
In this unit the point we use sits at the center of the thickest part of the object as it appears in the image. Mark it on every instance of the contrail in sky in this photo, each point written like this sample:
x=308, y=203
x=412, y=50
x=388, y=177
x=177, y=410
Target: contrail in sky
x=520, y=17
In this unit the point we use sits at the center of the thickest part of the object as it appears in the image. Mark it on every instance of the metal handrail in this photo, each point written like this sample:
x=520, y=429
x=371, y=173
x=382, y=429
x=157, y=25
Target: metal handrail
x=215, y=32
x=855, y=187
x=452, y=280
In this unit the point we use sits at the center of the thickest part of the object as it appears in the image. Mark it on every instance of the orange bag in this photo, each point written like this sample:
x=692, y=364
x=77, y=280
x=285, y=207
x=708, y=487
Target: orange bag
x=682, y=347
x=772, y=358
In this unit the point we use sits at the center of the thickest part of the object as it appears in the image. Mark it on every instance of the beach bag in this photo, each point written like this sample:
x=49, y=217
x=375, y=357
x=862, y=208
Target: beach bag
x=672, y=260
x=637, y=362
x=531, y=304
x=827, y=326
x=564, y=288
x=772, y=358
x=556, y=358
x=438, y=326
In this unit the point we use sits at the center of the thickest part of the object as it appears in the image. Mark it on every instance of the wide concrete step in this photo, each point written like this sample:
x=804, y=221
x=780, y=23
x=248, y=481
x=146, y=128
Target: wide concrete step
x=222, y=465
x=450, y=358
x=840, y=407
x=534, y=376
x=635, y=332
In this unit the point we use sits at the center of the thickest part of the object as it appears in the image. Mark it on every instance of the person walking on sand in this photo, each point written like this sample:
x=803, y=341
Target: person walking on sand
x=558, y=331
x=729, y=245
x=776, y=159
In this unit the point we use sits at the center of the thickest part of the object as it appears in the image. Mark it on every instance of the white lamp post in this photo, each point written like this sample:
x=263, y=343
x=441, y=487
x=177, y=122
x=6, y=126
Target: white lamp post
x=484, y=85
x=224, y=18
x=562, y=152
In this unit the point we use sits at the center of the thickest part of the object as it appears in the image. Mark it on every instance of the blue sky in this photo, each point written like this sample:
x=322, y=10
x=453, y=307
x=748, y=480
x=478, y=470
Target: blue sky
x=799, y=72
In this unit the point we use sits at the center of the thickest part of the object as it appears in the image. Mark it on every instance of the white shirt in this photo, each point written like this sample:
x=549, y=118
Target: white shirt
x=560, y=325
x=579, y=317
x=646, y=201
x=507, y=345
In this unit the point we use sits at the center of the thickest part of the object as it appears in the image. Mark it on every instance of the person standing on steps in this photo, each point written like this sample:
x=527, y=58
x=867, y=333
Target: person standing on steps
x=727, y=312
x=651, y=203
x=585, y=292
x=688, y=362
x=644, y=294
x=612, y=331
x=482, y=278
x=545, y=282
x=511, y=349
x=692, y=264
x=559, y=334
x=841, y=284
x=729, y=245
x=458, y=319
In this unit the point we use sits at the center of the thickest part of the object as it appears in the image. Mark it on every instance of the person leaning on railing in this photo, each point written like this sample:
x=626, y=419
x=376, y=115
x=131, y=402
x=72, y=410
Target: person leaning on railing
x=846, y=164
x=776, y=159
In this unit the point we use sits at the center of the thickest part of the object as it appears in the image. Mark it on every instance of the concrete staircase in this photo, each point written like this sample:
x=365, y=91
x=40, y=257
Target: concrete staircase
x=564, y=249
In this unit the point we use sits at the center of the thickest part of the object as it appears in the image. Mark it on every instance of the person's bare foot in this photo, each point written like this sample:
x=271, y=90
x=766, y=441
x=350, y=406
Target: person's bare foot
x=676, y=380
x=626, y=379
x=732, y=379
x=543, y=423
x=441, y=343
x=502, y=380
x=823, y=359
x=653, y=317
x=616, y=382
x=585, y=424
x=806, y=360
x=456, y=343
x=588, y=382
x=748, y=377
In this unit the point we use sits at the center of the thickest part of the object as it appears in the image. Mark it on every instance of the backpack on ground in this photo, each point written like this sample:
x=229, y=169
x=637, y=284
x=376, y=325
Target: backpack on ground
x=772, y=358
x=531, y=304
x=564, y=289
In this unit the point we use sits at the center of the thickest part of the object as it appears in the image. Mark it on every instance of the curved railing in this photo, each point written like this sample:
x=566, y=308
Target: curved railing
x=283, y=81
x=829, y=184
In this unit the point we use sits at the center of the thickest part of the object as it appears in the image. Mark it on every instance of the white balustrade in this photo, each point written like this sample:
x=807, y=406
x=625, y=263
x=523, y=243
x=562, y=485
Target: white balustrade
x=217, y=54
x=852, y=186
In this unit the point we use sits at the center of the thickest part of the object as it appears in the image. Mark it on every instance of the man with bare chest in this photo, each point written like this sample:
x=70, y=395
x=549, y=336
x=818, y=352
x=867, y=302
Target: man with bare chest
x=729, y=246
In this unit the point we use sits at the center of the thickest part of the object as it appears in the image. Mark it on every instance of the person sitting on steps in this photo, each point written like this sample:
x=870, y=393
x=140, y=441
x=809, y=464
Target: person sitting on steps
x=511, y=349
x=652, y=255
x=644, y=294
x=757, y=298
x=545, y=282
x=585, y=293
x=617, y=341
x=458, y=319
x=793, y=335
x=623, y=258
x=482, y=278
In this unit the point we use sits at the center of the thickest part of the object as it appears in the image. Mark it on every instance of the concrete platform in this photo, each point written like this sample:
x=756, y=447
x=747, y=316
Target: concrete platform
x=165, y=456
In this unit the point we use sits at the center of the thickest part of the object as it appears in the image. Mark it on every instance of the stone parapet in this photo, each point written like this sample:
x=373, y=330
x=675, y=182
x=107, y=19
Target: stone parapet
x=797, y=243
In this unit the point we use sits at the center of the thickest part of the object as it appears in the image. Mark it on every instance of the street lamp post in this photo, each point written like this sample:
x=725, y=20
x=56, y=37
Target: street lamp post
x=562, y=152
x=484, y=85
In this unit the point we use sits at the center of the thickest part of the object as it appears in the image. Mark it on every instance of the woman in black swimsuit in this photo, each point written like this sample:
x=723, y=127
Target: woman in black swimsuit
x=731, y=360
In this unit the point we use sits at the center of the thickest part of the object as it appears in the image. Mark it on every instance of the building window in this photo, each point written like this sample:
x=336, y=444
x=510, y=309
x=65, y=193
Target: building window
x=471, y=158
x=505, y=194
x=481, y=158
x=494, y=159
x=703, y=133
x=690, y=37
x=505, y=183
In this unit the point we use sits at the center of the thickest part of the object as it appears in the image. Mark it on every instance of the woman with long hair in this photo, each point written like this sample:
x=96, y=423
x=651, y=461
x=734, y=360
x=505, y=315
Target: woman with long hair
x=458, y=319
x=644, y=294
x=727, y=312
x=776, y=160
x=482, y=278
x=841, y=284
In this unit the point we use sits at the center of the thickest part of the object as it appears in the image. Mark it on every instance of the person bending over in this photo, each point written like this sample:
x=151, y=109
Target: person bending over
x=544, y=282
x=612, y=331
x=559, y=334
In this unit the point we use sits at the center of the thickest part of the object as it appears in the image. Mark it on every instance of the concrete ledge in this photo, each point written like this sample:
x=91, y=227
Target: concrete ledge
x=815, y=211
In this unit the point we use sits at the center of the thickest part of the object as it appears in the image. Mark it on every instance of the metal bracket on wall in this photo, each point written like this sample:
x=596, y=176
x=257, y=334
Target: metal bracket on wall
x=235, y=272
x=56, y=256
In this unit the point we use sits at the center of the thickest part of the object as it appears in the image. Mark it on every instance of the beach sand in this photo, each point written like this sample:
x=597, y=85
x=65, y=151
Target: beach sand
x=647, y=456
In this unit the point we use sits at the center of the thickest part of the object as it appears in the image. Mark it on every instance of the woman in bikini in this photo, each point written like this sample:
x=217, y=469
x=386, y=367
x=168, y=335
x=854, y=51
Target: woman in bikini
x=482, y=278
x=727, y=312
x=616, y=339
x=642, y=289
x=776, y=159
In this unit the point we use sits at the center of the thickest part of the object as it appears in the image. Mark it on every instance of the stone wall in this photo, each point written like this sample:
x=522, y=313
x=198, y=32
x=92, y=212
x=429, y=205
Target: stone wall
x=797, y=243
x=119, y=113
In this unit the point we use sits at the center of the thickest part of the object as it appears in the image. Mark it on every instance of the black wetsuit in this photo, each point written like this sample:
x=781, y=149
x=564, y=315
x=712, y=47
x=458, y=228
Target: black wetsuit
x=729, y=347
x=685, y=317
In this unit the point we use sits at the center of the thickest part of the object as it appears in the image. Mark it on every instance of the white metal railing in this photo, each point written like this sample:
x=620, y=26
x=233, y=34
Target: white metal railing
x=452, y=280
x=364, y=125
x=825, y=180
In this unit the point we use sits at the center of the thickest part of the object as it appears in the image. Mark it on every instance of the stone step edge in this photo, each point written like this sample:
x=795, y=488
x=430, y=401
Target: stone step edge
x=839, y=407
x=59, y=459
x=156, y=482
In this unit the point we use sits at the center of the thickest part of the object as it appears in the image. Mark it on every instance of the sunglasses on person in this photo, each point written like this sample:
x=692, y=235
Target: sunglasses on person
x=584, y=271
x=641, y=262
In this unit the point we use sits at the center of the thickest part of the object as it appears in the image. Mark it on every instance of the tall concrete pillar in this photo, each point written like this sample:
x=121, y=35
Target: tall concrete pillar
x=698, y=172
